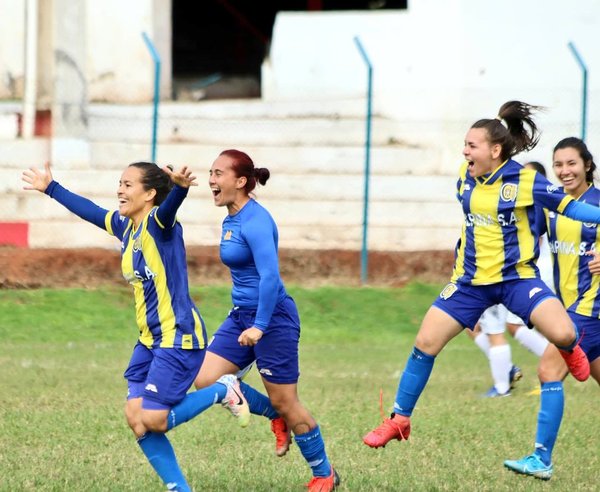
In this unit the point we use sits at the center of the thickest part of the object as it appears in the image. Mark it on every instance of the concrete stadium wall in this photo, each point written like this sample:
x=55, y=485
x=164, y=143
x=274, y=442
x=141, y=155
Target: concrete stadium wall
x=437, y=67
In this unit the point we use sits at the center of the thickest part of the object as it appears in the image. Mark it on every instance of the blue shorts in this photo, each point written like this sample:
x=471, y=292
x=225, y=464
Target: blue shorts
x=161, y=376
x=276, y=353
x=589, y=331
x=466, y=303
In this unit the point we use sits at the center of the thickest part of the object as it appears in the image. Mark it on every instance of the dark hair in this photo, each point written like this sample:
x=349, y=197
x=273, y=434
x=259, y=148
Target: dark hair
x=538, y=166
x=580, y=146
x=514, y=137
x=243, y=166
x=153, y=177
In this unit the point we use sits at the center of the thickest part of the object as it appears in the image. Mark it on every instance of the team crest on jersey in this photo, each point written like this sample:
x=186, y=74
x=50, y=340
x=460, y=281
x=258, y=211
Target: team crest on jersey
x=227, y=236
x=508, y=192
x=448, y=291
x=137, y=244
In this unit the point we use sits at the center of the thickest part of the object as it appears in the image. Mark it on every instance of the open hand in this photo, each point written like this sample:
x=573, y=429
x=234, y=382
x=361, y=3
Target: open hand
x=37, y=179
x=183, y=177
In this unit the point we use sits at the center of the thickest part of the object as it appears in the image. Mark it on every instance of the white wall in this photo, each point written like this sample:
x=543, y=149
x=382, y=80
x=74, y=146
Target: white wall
x=12, y=51
x=442, y=64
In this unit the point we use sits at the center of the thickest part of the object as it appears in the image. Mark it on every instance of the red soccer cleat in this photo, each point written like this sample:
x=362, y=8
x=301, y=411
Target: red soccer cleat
x=283, y=437
x=324, y=484
x=577, y=362
x=396, y=427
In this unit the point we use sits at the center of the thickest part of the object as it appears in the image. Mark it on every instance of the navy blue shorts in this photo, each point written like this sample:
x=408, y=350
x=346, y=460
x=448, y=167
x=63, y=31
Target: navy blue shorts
x=161, y=376
x=589, y=331
x=466, y=303
x=276, y=353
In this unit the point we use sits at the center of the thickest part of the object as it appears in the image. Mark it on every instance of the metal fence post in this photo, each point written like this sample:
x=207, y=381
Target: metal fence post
x=156, y=60
x=364, y=257
x=584, y=89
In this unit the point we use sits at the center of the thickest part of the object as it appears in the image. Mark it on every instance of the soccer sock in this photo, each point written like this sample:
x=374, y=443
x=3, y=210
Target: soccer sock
x=549, y=419
x=531, y=340
x=312, y=447
x=195, y=403
x=483, y=342
x=413, y=381
x=259, y=404
x=500, y=365
x=161, y=456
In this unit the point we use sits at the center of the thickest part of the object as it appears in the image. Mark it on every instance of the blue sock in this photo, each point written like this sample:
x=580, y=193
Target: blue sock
x=161, y=456
x=312, y=447
x=259, y=404
x=549, y=419
x=195, y=403
x=413, y=381
x=569, y=348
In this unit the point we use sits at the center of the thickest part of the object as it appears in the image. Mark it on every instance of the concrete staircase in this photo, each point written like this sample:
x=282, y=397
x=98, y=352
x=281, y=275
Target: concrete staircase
x=314, y=150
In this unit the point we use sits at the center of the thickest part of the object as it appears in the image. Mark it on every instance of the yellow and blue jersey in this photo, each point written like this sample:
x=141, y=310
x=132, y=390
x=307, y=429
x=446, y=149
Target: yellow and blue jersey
x=502, y=223
x=571, y=243
x=153, y=261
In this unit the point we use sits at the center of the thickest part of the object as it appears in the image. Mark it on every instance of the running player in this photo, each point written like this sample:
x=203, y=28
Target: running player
x=574, y=246
x=172, y=340
x=495, y=262
x=263, y=325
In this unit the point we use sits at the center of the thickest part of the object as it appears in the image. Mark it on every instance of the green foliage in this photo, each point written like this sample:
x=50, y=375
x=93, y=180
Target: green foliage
x=62, y=395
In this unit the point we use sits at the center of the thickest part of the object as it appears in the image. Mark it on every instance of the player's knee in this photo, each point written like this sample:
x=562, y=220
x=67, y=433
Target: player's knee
x=154, y=423
x=551, y=369
x=134, y=421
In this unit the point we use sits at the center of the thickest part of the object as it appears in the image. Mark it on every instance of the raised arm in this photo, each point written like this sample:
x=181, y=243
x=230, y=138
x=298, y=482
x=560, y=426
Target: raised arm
x=167, y=210
x=80, y=206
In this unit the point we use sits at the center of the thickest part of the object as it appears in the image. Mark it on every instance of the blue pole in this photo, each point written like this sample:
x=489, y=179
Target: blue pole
x=584, y=89
x=364, y=256
x=156, y=59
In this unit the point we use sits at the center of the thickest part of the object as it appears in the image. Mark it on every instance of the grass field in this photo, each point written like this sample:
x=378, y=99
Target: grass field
x=62, y=394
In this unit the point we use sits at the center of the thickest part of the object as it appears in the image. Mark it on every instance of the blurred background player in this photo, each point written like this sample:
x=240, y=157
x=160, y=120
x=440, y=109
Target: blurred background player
x=574, y=246
x=172, y=341
x=495, y=257
x=263, y=325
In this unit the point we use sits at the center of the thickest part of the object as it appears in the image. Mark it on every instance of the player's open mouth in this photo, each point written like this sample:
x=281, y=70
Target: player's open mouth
x=216, y=192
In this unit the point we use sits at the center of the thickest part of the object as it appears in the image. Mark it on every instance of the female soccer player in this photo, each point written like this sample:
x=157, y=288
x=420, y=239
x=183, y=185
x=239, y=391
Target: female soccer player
x=495, y=260
x=172, y=341
x=263, y=325
x=574, y=246
x=488, y=335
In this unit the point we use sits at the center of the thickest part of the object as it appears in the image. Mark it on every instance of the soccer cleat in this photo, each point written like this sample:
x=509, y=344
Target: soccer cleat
x=396, y=427
x=493, y=393
x=577, y=362
x=324, y=484
x=234, y=400
x=514, y=375
x=283, y=436
x=530, y=465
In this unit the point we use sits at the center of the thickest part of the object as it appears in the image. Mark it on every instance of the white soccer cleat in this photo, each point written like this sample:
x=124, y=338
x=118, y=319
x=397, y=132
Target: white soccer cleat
x=234, y=400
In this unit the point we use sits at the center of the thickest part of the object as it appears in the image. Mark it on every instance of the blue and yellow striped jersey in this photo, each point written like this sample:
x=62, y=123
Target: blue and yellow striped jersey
x=499, y=239
x=153, y=261
x=571, y=242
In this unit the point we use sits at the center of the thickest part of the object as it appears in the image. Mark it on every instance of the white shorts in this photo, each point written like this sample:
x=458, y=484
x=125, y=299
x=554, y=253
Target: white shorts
x=493, y=320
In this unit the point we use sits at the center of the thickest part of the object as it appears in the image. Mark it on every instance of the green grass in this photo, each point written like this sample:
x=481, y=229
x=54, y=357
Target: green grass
x=62, y=394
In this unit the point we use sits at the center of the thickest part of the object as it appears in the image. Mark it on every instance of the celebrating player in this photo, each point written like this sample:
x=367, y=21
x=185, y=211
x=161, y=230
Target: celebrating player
x=263, y=325
x=172, y=341
x=495, y=261
x=574, y=247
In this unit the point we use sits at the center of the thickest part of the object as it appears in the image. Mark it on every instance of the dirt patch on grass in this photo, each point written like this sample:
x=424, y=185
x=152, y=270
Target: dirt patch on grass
x=91, y=267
